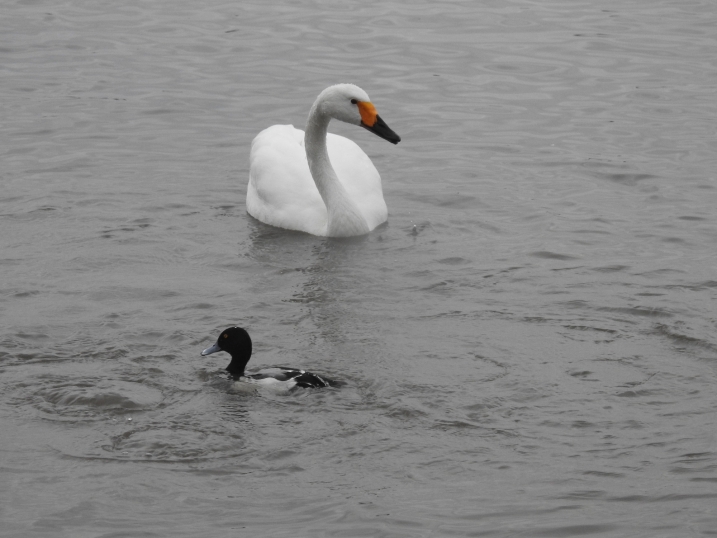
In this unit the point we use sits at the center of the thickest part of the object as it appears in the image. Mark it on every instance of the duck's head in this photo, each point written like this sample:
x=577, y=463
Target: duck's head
x=237, y=343
x=349, y=103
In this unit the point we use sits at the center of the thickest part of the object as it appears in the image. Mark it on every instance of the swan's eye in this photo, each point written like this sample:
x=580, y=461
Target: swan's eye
x=354, y=101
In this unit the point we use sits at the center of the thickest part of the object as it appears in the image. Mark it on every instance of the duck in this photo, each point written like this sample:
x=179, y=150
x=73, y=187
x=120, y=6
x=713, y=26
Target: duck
x=317, y=182
x=237, y=342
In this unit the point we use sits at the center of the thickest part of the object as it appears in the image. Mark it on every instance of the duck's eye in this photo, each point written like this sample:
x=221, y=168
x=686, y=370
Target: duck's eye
x=226, y=336
x=354, y=101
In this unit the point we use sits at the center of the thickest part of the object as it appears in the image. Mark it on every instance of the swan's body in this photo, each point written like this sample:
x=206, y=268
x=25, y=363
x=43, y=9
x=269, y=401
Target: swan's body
x=317, y=182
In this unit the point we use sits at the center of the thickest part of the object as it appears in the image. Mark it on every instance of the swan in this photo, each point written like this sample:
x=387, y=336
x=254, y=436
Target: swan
x=315, y=181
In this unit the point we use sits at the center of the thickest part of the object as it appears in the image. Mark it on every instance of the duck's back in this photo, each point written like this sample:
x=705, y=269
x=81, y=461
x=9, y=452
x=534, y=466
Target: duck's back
x=282, y=193
x=287, y=378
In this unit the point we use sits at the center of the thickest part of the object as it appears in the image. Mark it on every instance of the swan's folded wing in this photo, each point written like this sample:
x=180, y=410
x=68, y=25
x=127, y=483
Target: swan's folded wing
x=281, y=191
x=359, y=177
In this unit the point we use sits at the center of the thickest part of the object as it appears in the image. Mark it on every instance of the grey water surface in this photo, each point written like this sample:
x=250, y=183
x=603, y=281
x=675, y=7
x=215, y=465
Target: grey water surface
x=529, y=345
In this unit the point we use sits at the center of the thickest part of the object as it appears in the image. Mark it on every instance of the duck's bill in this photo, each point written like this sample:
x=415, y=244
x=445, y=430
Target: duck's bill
x=380, y=128
x=210, y=350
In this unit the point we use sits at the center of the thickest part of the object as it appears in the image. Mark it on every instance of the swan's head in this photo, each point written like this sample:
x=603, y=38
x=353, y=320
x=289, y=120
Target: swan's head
x=351, y=104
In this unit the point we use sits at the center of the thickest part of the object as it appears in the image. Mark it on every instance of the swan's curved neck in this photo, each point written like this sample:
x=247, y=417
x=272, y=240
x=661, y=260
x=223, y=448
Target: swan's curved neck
x=344, y=217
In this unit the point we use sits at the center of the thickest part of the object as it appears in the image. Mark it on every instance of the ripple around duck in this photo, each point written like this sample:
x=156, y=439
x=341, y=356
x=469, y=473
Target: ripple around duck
x=88, y=398
x=176, y=443
x=142, y=428
x=117, y=395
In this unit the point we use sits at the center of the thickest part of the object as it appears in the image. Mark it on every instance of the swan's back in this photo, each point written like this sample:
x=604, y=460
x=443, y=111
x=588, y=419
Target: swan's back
x=282, y=193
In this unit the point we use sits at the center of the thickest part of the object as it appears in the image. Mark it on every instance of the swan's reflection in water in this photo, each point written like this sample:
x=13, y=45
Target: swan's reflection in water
x=326, y=285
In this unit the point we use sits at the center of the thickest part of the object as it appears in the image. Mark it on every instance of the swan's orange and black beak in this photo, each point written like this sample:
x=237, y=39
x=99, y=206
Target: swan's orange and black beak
x=372, y=121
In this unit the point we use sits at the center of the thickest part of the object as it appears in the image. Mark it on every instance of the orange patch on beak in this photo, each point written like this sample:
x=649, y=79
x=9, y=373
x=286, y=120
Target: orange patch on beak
x=368, y=112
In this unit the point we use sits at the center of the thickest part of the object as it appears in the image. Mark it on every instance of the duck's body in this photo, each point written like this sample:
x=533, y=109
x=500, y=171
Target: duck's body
x=317, y=182
x=284, y=378
x=237, y=343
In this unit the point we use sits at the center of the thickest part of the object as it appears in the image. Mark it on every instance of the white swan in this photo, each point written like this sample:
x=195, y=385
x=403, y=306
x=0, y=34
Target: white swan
x=317, y=182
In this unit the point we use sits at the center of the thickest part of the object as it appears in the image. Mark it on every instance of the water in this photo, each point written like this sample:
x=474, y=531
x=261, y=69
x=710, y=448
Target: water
x=529, y=344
